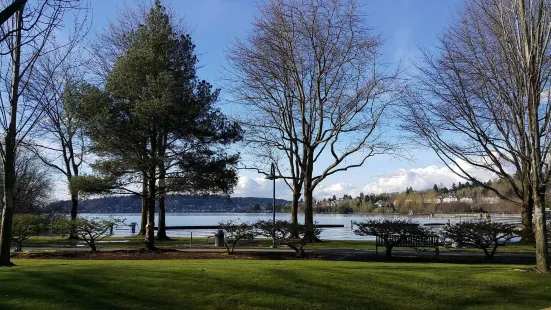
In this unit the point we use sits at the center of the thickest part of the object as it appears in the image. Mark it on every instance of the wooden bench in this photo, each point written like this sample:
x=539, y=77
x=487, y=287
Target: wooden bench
x=416, y=242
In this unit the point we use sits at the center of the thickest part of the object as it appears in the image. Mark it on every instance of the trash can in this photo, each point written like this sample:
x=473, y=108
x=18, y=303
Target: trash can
x=219, y=238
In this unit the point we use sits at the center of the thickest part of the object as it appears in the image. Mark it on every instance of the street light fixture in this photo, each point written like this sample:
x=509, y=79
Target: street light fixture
x=272, y=176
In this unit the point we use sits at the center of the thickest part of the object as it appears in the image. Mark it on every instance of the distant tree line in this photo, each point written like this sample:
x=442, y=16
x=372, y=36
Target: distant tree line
x=175, y=204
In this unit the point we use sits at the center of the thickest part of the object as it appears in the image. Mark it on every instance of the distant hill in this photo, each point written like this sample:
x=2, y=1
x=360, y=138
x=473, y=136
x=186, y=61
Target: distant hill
x=174, y=204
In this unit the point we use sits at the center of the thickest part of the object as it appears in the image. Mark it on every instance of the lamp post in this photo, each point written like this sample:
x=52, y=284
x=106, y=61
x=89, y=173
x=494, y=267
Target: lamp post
x=272, y=176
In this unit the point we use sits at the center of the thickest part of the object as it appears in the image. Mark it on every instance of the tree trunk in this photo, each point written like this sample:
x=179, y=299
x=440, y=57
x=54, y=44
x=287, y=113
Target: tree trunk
x=532, y=45
x=542, y=252
x=308, y=208
x=526, y=212
x=308, y=159
x=144, y=208
x=74, y=212
x=74, y=206
x=150, y=227
x=493, y=250
x=388, y=252
x=9, y=152
x=309, y=235
x=161, y=232
x=538, y=180
x=294, y=211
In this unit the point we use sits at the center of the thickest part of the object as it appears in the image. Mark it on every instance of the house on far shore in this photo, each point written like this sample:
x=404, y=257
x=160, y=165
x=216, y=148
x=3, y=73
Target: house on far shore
x=490, y=200
x=468, y=200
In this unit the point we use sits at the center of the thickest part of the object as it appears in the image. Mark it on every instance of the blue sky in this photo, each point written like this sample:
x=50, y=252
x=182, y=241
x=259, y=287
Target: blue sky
x=404, y=25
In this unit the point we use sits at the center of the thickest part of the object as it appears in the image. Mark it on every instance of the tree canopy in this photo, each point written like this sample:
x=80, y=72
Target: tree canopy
x=155, y=119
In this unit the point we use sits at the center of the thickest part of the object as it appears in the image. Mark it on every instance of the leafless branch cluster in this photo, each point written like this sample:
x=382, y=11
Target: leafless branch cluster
x=483, y=99
x=49, y=27
x=34, y=31
x=312, y=84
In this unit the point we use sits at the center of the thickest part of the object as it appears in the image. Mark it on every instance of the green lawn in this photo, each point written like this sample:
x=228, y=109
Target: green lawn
x=257, y=284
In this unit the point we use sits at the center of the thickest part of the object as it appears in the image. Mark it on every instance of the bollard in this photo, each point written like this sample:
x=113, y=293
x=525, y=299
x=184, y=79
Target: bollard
x=111, y=229
x=190, y=238
x=133, y=227
x=351, y=225
x=219, y=238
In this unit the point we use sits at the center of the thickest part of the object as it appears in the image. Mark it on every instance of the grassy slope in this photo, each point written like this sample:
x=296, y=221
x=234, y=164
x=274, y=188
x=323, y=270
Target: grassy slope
x=246, y=284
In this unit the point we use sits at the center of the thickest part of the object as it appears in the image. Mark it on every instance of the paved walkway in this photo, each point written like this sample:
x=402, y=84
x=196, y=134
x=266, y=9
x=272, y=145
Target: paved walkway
x=337, y=254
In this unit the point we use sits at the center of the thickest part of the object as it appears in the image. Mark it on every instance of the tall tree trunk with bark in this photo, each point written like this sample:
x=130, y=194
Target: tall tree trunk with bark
x=533, y=44
x=74, y=212
x=9, y=204
x=151, y=194
x=540, y=231
x=526, y=212
x=150, y=227
x=10, y=144
x=308, y=197
x=538, y=184
x=294, y=209
x=161, y=232
x=309, y=215
x=143, y=222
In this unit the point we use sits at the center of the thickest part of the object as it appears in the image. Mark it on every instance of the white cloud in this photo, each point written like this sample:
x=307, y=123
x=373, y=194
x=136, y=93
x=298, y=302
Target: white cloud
x=396, y=181
x=422, y=178
x=337, y=189
x=260, y=187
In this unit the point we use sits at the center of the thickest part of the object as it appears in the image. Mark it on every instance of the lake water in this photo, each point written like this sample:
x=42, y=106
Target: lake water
x=346, y=233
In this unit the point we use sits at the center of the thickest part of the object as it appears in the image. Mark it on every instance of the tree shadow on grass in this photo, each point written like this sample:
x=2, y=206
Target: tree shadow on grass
x=470, y=258
x=464, y=288
x=221, y=284
x=87, y=287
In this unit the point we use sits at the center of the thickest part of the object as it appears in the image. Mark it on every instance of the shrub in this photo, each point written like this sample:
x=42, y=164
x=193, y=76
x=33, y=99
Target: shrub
x=482, y=235
x=234, y=231
x=392, y=231
x=90, y=230
x=285, y=233
x=25, y=226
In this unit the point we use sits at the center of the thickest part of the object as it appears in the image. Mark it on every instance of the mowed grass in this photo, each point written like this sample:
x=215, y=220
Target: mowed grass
x=265, y=284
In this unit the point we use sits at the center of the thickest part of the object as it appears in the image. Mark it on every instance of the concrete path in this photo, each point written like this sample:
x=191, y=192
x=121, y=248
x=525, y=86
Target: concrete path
x=199, y=250
x=337, y=254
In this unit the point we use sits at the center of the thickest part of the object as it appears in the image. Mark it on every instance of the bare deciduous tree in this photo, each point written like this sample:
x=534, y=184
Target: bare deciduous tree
x=481, y=235
x=59, y=140
x=484, y=101
x=311, y=80
x=33, y=185
x=29, y=35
